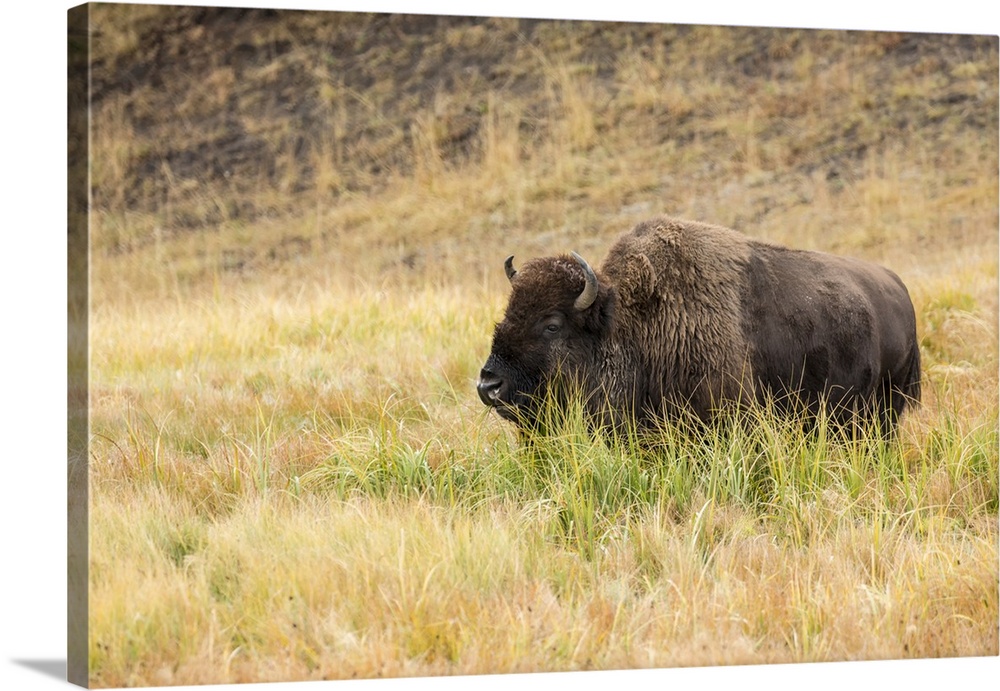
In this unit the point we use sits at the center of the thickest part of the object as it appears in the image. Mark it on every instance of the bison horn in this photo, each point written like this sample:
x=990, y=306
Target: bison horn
x=586, y=298
x=508, y=267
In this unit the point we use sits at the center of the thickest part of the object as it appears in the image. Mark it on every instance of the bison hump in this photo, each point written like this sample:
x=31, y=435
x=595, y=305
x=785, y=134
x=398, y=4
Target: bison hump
x=635, y=279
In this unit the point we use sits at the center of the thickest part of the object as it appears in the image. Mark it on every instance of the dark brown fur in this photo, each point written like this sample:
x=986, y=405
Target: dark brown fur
x=698, y=317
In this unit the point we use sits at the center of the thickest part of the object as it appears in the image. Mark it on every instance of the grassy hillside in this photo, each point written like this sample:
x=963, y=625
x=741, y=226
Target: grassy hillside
x=297, y=236
x=289, y=134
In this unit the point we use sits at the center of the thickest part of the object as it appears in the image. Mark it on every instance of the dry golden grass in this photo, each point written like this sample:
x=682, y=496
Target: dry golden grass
x=292, y=477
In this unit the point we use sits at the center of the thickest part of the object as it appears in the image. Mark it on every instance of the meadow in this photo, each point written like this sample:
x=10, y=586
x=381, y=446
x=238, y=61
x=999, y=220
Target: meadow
x=296, y=265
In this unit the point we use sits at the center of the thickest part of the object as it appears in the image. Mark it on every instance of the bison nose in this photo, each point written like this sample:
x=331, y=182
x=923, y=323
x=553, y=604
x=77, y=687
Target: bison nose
x=489, y=387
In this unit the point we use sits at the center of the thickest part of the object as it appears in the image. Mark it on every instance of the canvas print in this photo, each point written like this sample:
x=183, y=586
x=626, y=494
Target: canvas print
x=407, y=345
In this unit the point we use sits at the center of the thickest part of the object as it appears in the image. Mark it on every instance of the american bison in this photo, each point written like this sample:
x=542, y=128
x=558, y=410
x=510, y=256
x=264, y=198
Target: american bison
x=688, y=316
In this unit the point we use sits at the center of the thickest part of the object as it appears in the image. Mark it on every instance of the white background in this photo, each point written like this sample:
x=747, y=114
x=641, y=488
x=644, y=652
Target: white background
x=33, y=334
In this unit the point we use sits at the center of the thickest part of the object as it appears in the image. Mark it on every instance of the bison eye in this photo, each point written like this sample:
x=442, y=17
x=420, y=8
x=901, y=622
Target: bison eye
x=552, y=325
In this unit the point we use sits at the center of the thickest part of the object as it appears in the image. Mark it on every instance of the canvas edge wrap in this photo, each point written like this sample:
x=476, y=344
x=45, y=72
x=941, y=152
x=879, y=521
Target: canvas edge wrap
x=78, y=429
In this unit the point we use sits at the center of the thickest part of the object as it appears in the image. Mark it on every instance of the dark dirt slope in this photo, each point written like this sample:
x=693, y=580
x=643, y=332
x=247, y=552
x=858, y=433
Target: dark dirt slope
x=225, y=103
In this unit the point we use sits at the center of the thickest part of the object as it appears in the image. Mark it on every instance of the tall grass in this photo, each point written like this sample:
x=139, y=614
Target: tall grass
x=528, y=561
x=267, y=509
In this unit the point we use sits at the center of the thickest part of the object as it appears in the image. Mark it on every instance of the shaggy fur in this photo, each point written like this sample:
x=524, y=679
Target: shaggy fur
x=691, y=316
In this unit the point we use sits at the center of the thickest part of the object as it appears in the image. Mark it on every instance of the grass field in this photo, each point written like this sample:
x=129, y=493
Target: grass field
x=296, y=260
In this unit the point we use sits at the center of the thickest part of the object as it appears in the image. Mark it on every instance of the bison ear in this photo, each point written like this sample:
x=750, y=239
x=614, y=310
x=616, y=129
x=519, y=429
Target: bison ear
x=635, y=285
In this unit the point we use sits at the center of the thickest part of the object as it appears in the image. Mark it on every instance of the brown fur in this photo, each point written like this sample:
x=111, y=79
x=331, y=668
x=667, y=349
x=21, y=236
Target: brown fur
x=695, y=316
x=681, y=307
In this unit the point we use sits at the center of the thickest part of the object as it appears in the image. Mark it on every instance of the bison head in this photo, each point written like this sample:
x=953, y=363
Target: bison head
x=558, y=314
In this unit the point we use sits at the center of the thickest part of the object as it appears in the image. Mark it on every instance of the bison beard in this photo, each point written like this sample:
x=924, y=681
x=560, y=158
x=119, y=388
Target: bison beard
x=686, y=317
